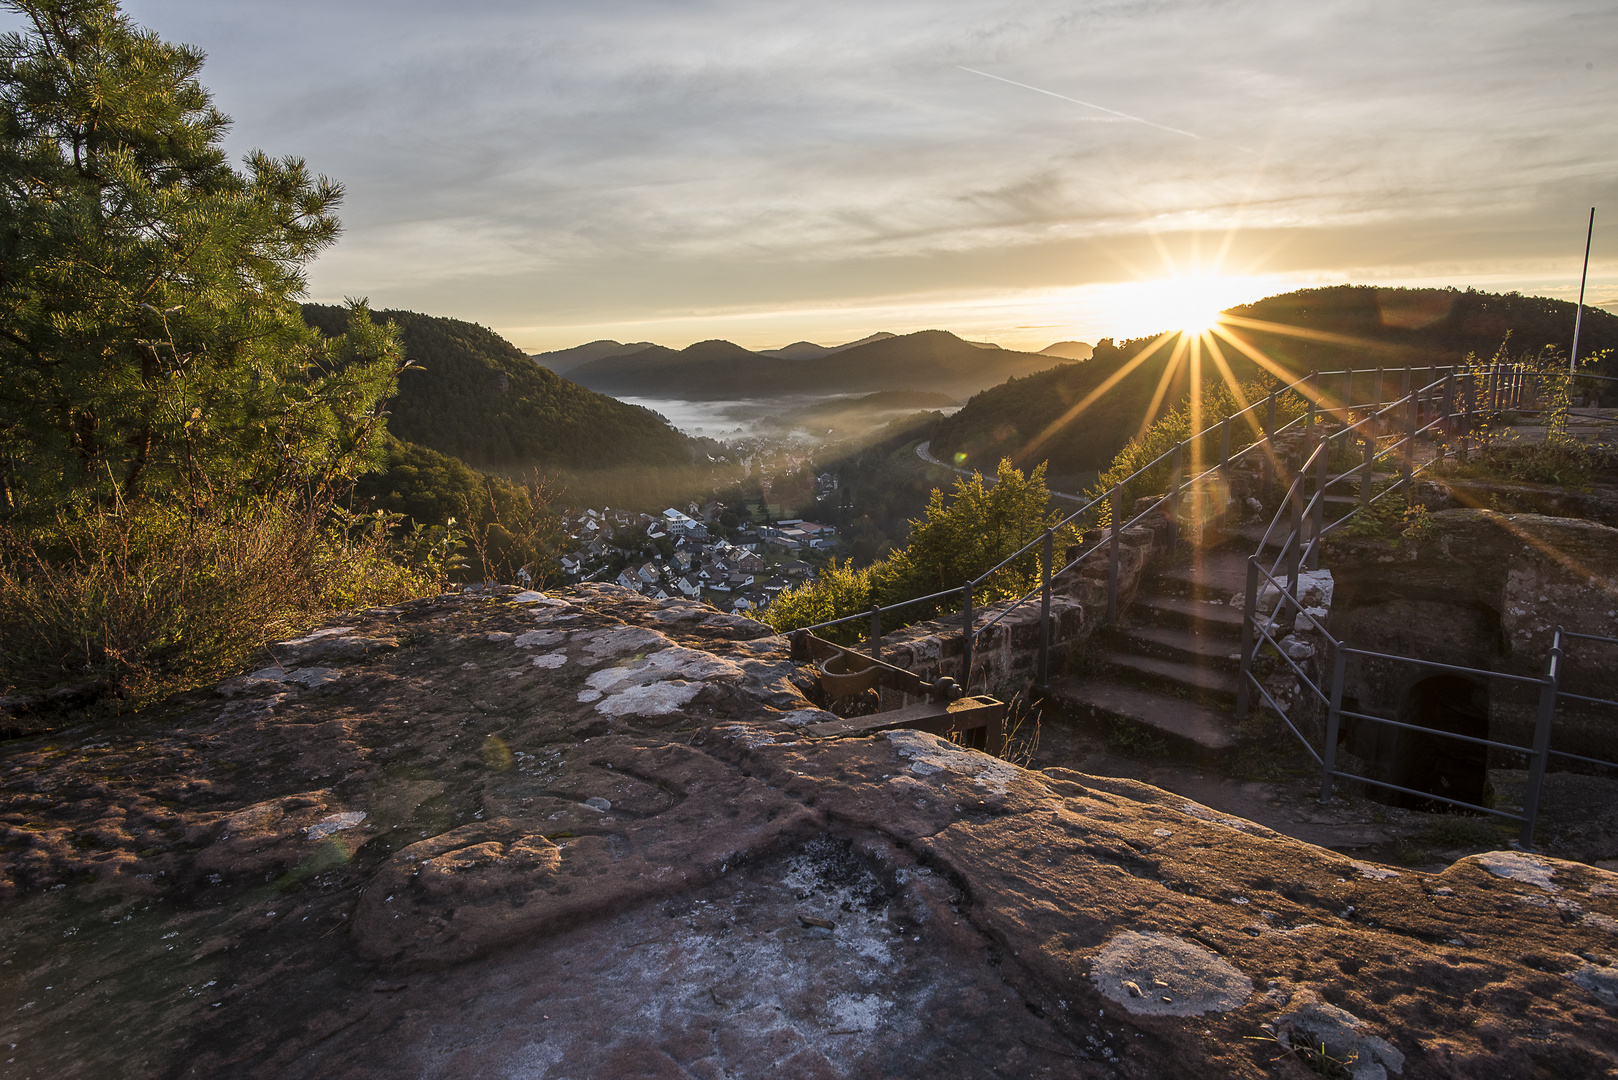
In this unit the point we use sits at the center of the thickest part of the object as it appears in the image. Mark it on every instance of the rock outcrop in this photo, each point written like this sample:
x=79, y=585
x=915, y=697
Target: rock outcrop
x=586, y=835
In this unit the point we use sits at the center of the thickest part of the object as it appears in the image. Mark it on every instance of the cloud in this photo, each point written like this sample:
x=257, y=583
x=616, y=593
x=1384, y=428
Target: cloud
x=520, y=163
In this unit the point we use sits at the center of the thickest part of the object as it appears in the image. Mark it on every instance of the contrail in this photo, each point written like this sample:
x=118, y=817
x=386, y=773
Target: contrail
x=1086, y=104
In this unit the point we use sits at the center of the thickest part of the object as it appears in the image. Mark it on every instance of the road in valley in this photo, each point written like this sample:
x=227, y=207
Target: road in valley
x=924, y=451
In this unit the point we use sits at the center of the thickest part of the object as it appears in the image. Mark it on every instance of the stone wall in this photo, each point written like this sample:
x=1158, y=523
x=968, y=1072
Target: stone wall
x=1484, y=590
x=1006, y=655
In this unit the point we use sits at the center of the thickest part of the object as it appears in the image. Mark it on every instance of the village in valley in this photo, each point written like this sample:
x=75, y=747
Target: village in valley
x=691, y=553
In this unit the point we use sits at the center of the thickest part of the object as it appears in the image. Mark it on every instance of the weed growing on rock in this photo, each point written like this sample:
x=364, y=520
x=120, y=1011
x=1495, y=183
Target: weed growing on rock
x=136, y=602
x=1567, y=463
x=1133, y=740
x=1022, y=730
x=1310, y=1054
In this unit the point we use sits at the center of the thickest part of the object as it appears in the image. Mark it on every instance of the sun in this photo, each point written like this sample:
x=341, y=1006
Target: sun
x=1192, y=305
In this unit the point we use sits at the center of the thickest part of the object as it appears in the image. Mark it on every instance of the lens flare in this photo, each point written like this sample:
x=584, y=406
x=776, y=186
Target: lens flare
x=1193, y=304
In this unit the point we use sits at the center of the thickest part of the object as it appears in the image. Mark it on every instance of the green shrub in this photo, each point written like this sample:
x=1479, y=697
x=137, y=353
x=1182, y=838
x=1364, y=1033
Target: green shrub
x=1218, y=401
x=148, y=600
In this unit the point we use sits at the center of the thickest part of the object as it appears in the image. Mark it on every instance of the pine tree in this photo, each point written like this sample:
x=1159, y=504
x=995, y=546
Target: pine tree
x=150, y=343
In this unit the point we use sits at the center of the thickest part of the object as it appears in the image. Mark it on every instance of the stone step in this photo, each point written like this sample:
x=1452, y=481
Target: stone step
x=1219, y=573
x=1203, y=682
x=1217, y=652
x=1353, y=479
x=1221, y=620
x=1191, y=729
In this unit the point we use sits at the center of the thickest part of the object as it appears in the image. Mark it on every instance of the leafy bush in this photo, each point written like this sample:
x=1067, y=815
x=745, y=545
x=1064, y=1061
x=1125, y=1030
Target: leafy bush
x=838, y=592
x=961, y=537
x=1218, y=402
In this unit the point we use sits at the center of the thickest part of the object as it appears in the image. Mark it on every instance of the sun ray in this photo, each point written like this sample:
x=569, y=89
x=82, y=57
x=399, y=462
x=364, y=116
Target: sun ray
x=1218, y=356
x=1309, y=335
x=1241, y=399
x=1194, y=405
x=1163, y=383
x=1089, y=399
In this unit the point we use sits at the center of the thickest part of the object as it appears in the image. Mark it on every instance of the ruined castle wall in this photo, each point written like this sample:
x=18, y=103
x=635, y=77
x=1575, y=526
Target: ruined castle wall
x=1486, y=590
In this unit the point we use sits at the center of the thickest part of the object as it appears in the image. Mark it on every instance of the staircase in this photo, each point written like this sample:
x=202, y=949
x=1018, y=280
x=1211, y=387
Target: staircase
x=1171, y=665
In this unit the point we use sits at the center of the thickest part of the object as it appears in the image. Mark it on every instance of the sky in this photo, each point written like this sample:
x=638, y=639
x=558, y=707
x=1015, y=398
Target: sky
x=1021, y=173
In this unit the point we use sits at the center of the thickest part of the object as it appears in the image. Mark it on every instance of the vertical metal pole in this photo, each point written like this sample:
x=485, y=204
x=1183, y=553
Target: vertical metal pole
x=1295, y=543
x=1406, y=480
x=1174, y=495
x=1542, y=745
x=1318, y=524
x=1311, y=393
x=1348, y=395
x=1404, y=392
x=1269, y=459
x=1045, y=612
x=1578, y=314
x=1446, y=404
x=966, y=639
x=1224, y=447
x=1469, y=395
x=1334, y=722
x=1365, y=469
x=1112, y=552
x=876, y=632
x=1376, y=391
x=1249, y=614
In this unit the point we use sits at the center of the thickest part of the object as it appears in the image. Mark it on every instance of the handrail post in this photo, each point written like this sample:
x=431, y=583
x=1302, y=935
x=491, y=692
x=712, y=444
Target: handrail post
x=1224, y=447
x=1269, y=457
x=1542, y=746
x=1404, y=390
x=1309, y=397
x=1469, y=396
x=1376, y=391
x=1112, y=552
x=876, y=631
x=1406, y=481
x=1369, y=438
x=1348, y=394
x=1295, y=543
x=1249, y=613
x=966, y=638
x=1174, y=495
x=1334, y=721
x=1045, y=613
x=1318, y=523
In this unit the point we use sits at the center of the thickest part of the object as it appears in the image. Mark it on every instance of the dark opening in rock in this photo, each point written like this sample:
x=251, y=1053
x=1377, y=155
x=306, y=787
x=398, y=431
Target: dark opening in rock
x=1427, y=761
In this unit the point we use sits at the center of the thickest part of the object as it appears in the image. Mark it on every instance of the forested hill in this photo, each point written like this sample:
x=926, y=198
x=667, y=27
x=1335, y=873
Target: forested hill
x=1421, y=326
x=1370, y=327
x=479, y=398
x=932, y=360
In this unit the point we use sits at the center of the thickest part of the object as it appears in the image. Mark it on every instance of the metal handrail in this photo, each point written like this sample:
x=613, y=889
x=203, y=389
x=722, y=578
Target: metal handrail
x=1504, y=389
x=1306, y=385
x=1081, y=511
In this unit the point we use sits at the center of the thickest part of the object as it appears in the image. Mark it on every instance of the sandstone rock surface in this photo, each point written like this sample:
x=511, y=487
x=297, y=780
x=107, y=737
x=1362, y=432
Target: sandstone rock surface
x=450, y=860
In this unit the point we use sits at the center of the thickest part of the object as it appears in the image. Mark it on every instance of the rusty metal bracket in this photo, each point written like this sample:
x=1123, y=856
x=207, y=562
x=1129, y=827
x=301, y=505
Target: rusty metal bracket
x=845, y=671
x=978, y=722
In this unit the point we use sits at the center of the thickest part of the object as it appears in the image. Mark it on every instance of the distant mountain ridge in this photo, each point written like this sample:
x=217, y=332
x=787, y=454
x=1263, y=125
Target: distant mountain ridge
x=564, y=360
x=932, y=360
x=808, y=350
x=1069, y=350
